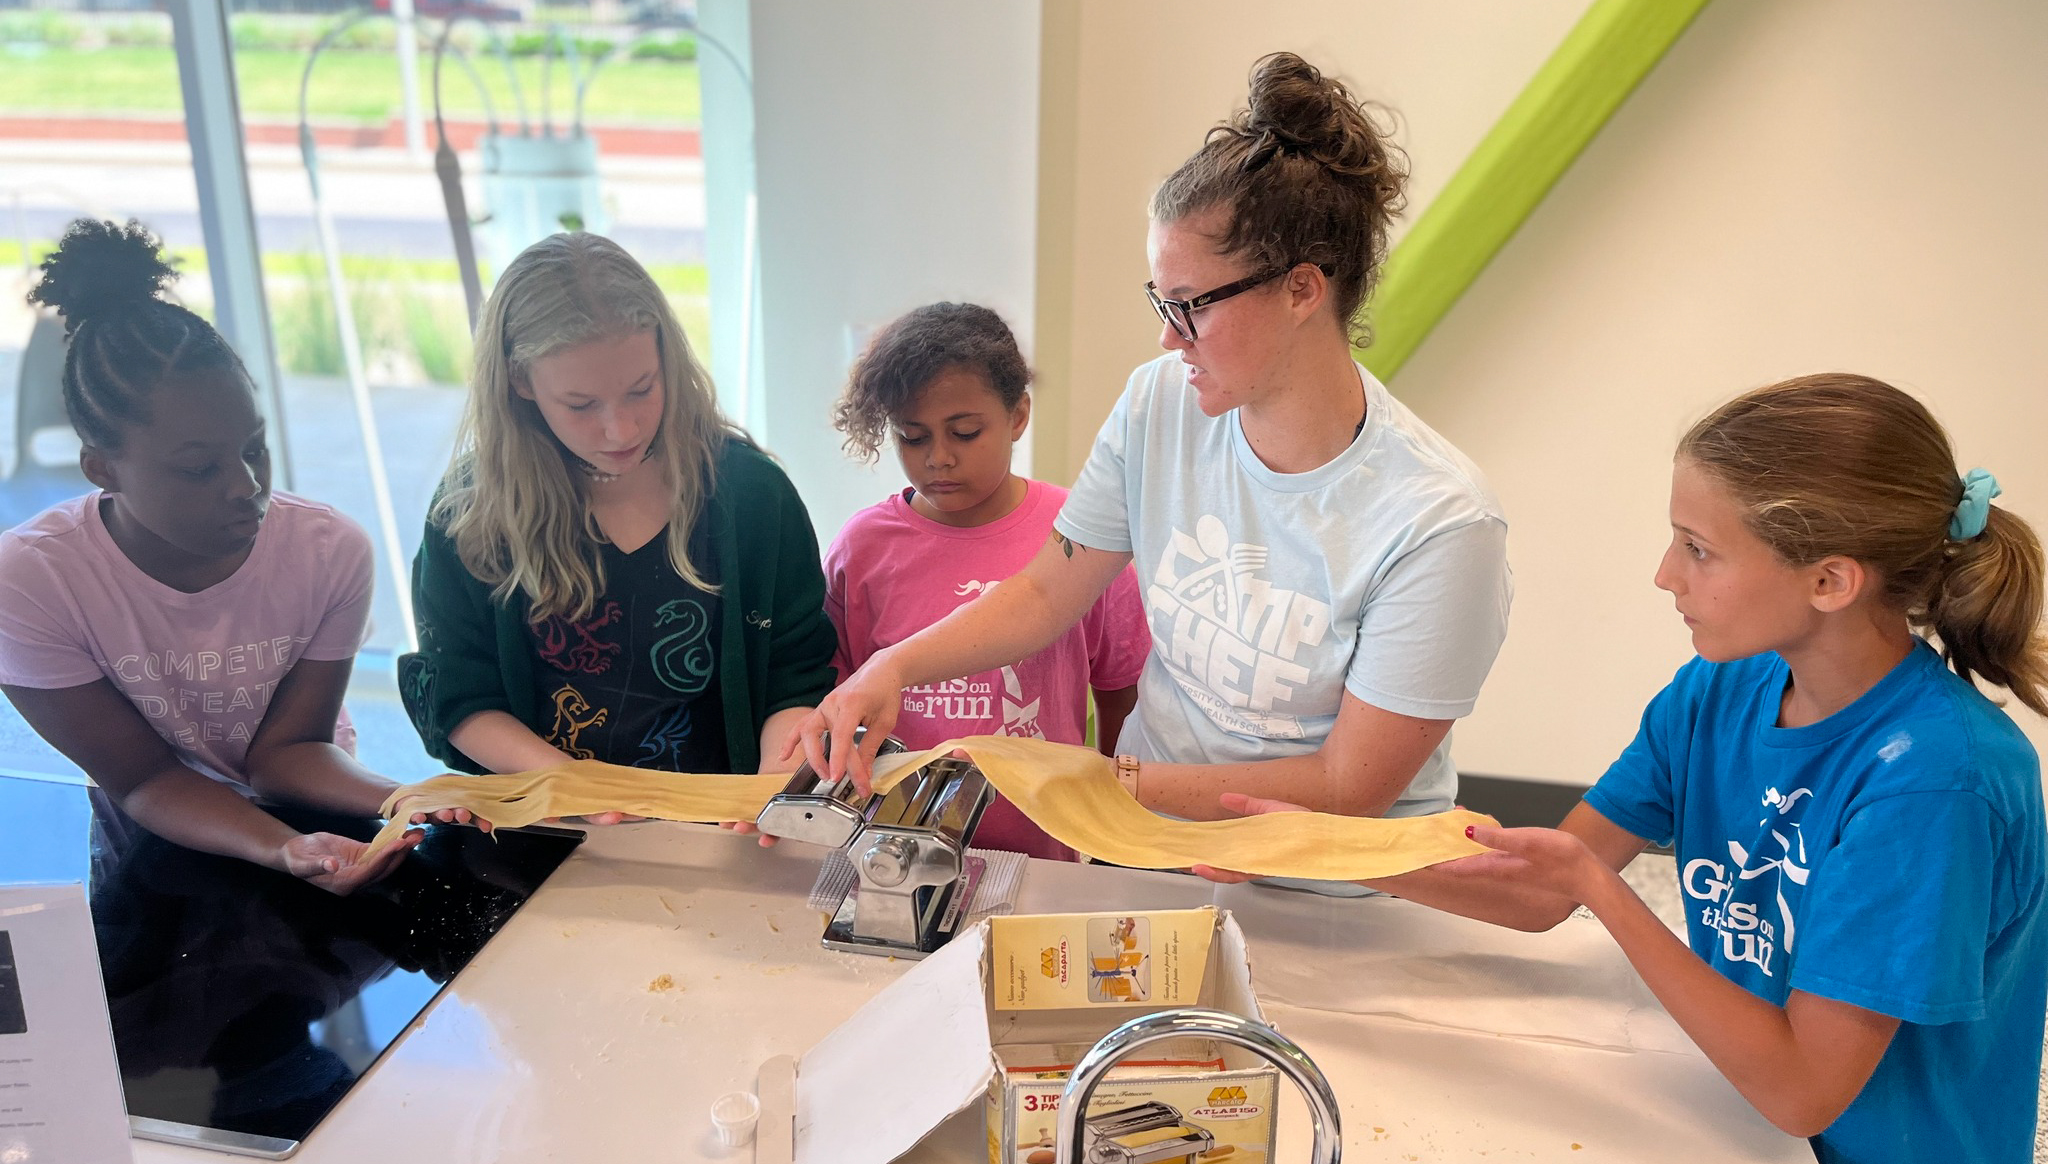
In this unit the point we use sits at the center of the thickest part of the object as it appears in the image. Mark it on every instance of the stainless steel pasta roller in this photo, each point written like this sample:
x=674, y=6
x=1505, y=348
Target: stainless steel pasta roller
x=907, y=850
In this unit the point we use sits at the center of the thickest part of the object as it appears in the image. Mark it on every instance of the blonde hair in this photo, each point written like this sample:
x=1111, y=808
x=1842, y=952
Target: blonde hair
x=1844, y=464
x=511, y=500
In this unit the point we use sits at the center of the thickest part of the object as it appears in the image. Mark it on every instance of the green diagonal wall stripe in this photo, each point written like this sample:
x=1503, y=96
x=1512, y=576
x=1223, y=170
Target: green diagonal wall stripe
x=1613, y=46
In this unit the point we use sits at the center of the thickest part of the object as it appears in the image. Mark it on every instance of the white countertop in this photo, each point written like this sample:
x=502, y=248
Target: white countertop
x=1444, y=1039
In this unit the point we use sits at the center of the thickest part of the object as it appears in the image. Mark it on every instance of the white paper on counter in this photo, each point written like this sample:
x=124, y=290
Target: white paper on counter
x=1570, y=985
x=60, y=1086
x=1422, y=1092
x=912, y=1056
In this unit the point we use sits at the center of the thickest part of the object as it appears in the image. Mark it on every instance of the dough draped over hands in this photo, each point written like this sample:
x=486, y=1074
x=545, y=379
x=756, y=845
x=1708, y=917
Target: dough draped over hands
x=1071, y=792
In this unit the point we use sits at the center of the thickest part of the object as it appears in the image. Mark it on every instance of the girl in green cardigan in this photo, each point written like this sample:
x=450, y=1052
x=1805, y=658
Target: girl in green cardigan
x=612, y=570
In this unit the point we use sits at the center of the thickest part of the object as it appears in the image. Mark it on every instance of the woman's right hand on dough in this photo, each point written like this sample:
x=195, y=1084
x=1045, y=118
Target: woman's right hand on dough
x=870, y=697
x=1242, y=805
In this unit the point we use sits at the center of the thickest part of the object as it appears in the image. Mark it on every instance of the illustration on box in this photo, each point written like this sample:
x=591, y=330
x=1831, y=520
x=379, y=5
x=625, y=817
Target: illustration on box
x=1167, y=1111
x=1145, y=959
x=1119, y=959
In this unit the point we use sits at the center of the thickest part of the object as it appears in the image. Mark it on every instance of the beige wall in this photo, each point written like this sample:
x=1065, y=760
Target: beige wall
x=1800, y=185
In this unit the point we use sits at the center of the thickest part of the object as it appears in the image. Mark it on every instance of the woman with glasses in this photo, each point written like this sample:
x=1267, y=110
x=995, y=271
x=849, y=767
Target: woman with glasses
x=1325, y=577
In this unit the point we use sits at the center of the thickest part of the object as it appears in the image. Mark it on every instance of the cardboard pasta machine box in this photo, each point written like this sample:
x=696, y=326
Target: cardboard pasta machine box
x=999, y=1016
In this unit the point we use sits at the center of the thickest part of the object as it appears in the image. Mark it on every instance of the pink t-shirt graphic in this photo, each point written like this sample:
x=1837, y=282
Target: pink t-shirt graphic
x=200, y=667
x=893, y=572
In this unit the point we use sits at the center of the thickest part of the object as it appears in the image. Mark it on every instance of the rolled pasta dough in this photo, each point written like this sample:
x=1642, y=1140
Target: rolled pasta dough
x=1071, y=792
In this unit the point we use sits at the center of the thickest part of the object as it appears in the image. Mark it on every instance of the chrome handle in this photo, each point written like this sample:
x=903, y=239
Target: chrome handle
x=1222, y=1026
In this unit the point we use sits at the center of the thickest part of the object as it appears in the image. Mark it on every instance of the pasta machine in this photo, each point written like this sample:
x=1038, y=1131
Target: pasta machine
x=907, y=849
x=1145, y=1134
x=1081, y=1143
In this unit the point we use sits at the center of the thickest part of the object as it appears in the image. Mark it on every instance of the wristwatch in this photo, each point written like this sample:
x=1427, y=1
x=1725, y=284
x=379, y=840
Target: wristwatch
x=1127, y=773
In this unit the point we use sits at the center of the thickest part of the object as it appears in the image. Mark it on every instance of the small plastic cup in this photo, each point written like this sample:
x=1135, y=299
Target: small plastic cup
x=733, y=1116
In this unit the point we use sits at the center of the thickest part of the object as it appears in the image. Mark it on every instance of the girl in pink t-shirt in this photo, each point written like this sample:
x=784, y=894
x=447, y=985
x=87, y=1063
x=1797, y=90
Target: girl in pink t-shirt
x=182, y=634
x=947, y=384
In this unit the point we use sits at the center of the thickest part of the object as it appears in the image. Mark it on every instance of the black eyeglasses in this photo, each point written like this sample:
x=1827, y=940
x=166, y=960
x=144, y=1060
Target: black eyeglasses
x=1179, y=314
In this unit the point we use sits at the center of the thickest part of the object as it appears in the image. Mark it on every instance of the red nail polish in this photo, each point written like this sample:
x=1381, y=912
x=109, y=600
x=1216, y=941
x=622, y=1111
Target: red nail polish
x=1469, y=830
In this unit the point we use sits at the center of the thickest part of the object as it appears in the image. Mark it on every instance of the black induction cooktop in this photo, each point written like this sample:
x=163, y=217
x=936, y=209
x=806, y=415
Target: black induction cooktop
x=245, y=1002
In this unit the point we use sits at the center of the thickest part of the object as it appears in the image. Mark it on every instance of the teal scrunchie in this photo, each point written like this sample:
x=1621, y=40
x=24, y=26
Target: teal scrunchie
x=1973, y=512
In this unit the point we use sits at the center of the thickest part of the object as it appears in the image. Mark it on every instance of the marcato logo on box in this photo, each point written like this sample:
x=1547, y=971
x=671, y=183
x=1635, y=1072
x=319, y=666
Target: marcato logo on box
x=1227, y=1103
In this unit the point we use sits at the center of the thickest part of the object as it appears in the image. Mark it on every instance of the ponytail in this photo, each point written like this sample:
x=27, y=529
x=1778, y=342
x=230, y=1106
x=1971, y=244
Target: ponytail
x=1986, y=609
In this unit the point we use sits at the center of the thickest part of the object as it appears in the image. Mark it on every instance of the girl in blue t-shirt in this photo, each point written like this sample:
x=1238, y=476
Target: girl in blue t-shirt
x=1859, y=832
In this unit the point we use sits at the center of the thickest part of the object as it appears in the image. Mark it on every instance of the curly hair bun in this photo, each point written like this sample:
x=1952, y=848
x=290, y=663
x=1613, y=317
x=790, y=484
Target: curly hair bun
x=101, y=269
x=1293, y=106
x=1307, y=174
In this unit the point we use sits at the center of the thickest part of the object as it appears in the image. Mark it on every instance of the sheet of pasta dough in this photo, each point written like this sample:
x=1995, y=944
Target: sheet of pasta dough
x=1071, y=792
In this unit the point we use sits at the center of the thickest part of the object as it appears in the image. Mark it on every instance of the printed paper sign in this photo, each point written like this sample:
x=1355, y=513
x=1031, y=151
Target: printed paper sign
x=60, y=1087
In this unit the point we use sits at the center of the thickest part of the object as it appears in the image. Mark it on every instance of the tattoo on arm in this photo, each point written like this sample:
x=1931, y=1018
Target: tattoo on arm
x=1065, y=544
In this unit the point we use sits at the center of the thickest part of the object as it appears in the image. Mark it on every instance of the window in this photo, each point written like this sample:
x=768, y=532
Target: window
x=582, y=115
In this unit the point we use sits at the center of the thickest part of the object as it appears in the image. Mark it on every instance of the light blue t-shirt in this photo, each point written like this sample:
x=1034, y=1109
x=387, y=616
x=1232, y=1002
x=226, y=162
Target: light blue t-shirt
x=1891, y=857
x=1383, y=573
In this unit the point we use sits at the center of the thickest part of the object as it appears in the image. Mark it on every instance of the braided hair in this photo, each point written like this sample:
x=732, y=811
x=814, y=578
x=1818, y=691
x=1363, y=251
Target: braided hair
x=125, y=339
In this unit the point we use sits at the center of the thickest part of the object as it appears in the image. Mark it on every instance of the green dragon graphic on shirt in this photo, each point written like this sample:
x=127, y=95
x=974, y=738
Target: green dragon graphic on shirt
x=682, y=660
